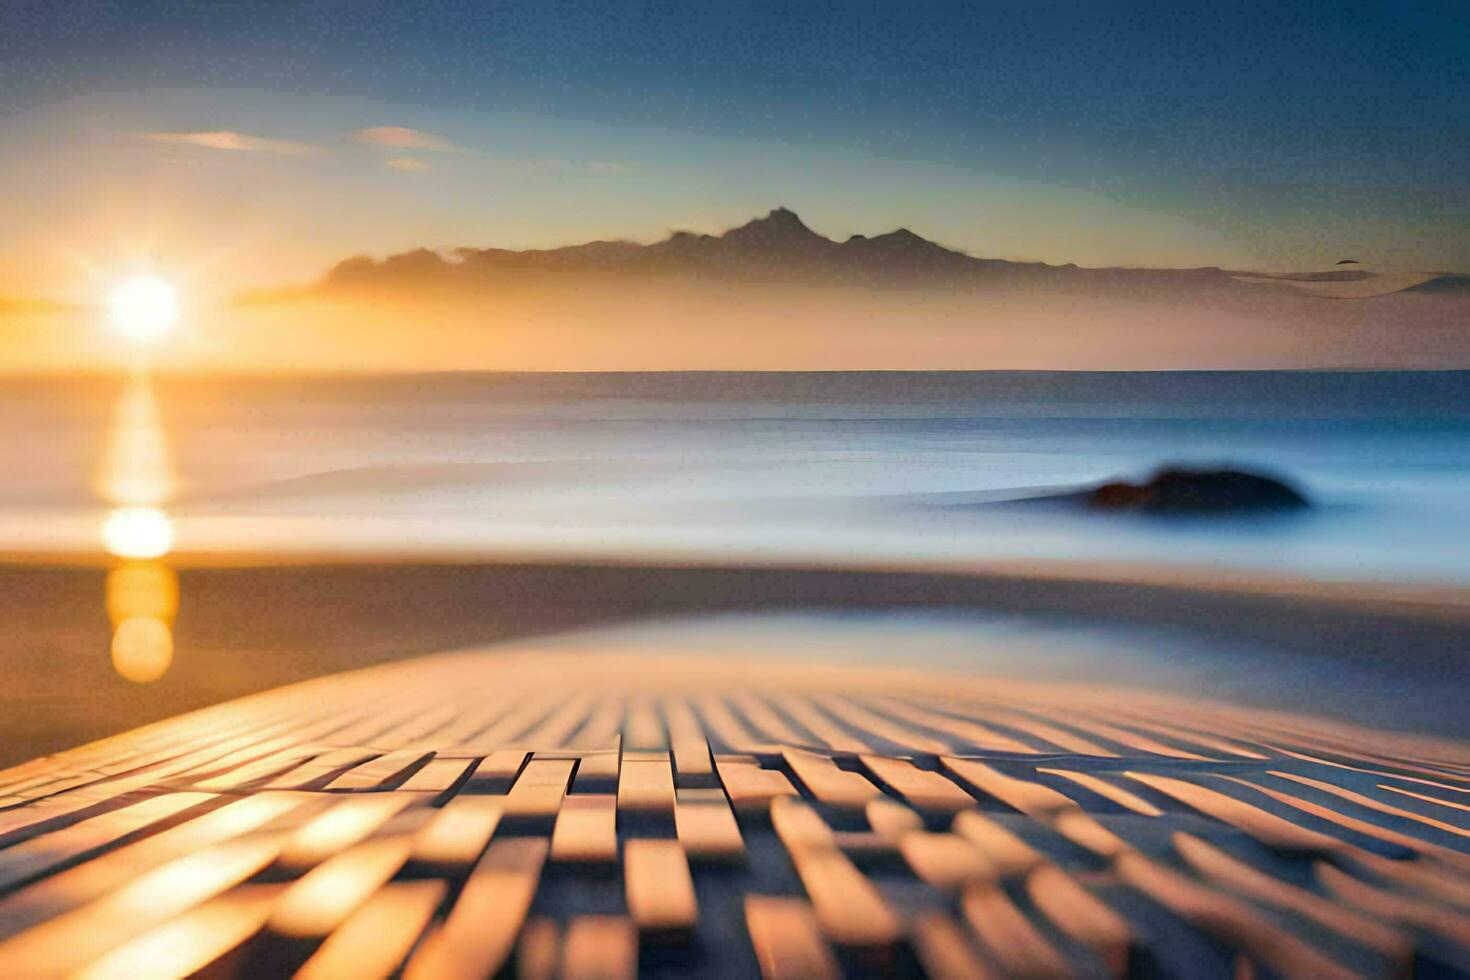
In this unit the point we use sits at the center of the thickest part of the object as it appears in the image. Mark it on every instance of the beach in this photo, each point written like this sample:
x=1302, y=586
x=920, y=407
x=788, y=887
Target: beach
x=323, y=523
x=252, y=623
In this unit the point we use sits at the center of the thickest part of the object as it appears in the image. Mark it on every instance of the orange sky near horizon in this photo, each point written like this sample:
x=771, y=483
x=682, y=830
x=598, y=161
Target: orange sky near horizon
x=730, y=326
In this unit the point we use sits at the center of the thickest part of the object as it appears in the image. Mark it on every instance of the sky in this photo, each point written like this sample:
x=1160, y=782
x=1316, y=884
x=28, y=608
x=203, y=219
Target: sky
x=238, y=145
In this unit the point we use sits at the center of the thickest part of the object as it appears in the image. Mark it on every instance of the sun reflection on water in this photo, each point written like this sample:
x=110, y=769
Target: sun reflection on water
x=136, y=469
x=142, y=648
x=138, y=532
x=136, y=477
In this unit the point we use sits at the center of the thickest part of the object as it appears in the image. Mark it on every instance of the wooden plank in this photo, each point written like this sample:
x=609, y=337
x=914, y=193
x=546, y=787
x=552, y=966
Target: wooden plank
x=1130, y=737
x=586, y=829
x=1232, y=922
x=258, y=771
x=497, y=772
x=891, y=820
x=1059, y=739
x=644, y=730
x=788, y=942
x=1372, y=804
x=829, y=784
x=601, y=947
x=721, y=721
x=374, y=941
x=646, y=787
x=659, y=890
x=833, y=735
x=1269, y=829
x=847, y=906
x=945, y=861
x=321, y=770
x=921, y=788
x=1009, y=936
x=191, y=942
x=692, y=764
x=750, y=787
x=944, y=951
x=1240, y=877
x=597, y=772
x=1010, y=855
x=47, y=852
x=25, y=821
x=883, y=727
x=1413, y=911
x=423, y=723
x=799, y=826
x=341, y=826
x=602, y=728
x=1108, y=791
x=706, y=826
x=1029, y=797
x=436, y=777
x=458, y=833
x=1456, y=859
x=558, y=727
x=531, y=805
x=1082, y=916
x=1183, y=734
x=762, y=717
x=326, y=895
x=1087, y=833
x=76, y=886
x=73, y=939
x=1423, y=876
x=380, y=771
x=982, y=737
x=1424, y=797
x=538, y=950
x=480, y=932
x=473, y=720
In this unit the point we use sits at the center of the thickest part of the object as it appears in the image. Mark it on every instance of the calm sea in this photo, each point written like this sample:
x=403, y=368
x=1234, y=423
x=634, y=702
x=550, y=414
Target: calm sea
x=727, y=466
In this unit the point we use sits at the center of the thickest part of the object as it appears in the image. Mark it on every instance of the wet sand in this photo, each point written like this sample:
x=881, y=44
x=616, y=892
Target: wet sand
x=249, y=627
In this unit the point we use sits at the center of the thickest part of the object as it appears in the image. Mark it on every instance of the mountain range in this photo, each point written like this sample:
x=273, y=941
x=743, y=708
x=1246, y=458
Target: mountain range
x=780, y=247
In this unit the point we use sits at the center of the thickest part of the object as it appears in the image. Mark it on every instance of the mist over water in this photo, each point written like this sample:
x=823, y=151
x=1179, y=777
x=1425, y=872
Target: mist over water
x=810, y=466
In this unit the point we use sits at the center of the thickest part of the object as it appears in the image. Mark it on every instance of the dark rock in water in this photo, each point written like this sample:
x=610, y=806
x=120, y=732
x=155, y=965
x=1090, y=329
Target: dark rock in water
x=1178, y=490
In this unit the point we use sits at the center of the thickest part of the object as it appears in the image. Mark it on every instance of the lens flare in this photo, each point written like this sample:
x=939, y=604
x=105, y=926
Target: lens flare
x=142, y=649
x=142, y=588
x=144, y=310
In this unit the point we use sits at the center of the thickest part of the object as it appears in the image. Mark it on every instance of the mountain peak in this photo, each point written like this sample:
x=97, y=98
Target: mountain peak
x=779, y=221
x=781, y=228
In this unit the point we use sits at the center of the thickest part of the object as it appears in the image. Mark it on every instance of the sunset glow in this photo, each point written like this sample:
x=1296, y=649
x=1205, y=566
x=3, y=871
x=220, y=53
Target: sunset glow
x=138, y=532
x=144, y=310
x=734, y=490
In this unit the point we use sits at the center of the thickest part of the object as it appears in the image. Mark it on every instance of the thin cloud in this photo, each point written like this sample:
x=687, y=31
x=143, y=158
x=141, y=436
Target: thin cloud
x=233, y=142
x=403, y=138
x=561, y=166
x=409, y=165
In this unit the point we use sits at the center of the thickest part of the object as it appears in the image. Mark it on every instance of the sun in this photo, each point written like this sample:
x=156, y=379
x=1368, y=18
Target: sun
x=144, y=310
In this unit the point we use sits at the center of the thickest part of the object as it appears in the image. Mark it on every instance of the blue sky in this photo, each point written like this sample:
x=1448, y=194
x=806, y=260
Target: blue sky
x=1277, y=135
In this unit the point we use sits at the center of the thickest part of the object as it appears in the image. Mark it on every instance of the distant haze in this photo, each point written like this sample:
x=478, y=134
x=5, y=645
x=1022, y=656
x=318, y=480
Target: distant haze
x=775, y=294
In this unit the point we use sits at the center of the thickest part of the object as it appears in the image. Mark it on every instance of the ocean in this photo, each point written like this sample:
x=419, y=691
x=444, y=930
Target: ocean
x=734, y=466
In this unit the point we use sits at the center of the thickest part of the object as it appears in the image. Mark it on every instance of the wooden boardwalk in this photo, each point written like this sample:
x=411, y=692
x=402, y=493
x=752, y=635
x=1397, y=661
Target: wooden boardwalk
x=604, y=815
